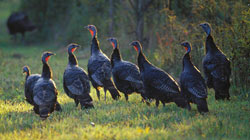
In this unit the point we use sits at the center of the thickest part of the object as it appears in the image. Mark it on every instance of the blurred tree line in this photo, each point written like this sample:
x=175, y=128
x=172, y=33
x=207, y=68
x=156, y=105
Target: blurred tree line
x=161, y=25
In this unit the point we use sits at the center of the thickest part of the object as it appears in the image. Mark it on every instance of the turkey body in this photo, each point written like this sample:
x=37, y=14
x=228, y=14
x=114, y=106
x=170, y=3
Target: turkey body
x=193, y=86
x=19, y=23
x=29, y=86
x=45, y=91
x=158, y=84
x=217, y=70
x=99, y=70
x=45, y=96
x=127, y=78
x=76, y=81
x=76, y=85
x=126, y=75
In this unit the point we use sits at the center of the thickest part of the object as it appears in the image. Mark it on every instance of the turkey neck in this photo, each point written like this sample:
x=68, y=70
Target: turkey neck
x=27, y=74
x=46, y=71
x=116, y=56
x=72, y=59
x=95, y=45
x=142, y=61
x=210, y=46
x=187, y=61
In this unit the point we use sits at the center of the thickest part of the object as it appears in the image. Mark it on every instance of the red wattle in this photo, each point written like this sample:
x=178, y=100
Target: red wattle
x=92, y=33
x=186, y=48
x=47, y=58
x=72, y=50
x=136, y=48
x=113, y=44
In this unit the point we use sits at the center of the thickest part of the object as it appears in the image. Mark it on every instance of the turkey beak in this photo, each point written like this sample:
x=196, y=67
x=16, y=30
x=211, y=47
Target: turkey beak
x=132, y=44
x=182, y=44
x=77, y=46
x=50, y=54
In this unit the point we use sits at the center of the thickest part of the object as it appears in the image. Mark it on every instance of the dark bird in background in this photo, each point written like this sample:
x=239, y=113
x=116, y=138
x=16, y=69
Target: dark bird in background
x=76, y=81
x=126, y=75
x=99, y=67
x=193, y=86
x=158, y=84
x=19, y=23
x=30, y=81
x=45, y=92
x=216, y=67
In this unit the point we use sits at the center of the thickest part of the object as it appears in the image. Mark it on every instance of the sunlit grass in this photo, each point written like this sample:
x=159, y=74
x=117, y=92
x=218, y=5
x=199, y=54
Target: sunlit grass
x=112, y=119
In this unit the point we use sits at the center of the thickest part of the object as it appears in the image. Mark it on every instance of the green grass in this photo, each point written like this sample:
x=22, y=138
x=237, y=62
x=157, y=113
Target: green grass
x=112, y=119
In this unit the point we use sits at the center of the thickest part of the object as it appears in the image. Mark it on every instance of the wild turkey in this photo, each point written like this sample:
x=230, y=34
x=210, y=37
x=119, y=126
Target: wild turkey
x=99, y=67
x=216, y=67
x=126, y=75
x=30, y=82
x=158, y=84
x=45, y=92
x=193, y=86
x=19, y=23
x=76, y=81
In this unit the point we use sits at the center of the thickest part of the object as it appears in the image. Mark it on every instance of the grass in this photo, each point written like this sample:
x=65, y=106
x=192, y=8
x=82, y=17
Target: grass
x=112, y=119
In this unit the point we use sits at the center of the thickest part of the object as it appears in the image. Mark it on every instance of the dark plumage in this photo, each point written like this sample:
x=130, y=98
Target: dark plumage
x=30, y=82
x=99, y=67
x=216, y=67
x=45, y=92
x=192, y=83
x=158, y=84
x=126, y=75
x=76, y=81
x=19, y=23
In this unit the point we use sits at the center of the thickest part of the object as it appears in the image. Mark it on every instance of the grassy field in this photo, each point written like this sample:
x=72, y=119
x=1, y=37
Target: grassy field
x=112, y=119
